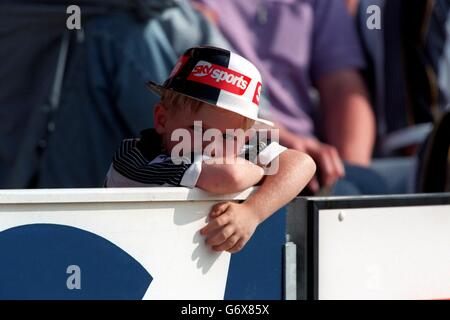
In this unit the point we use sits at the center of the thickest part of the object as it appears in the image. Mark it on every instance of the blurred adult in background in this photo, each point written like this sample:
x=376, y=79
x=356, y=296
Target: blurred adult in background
x=352, y=6
x=408, y=75
x=68, y=97
x=299, y=46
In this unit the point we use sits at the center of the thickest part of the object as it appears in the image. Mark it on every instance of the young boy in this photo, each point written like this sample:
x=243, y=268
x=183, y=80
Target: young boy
x=214, y=90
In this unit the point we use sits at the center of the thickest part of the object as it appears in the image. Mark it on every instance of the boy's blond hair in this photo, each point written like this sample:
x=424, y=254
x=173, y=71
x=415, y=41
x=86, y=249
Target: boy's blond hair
x=173, y=102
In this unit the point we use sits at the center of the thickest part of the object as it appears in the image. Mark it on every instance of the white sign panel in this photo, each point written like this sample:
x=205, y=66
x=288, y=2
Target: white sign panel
x=156, y=229
x=384, y=253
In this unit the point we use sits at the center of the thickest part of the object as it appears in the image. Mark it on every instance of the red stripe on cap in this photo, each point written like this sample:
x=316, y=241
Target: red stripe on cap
x=257, y=95
x=178, y=66
x=220, y=77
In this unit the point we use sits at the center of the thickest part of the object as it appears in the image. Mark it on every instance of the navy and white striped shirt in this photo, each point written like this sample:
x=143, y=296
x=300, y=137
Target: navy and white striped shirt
x=143, y=163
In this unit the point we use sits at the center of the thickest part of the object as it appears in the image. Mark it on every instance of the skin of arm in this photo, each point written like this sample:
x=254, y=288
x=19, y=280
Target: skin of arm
x=329, y=163
x=352, y=7
x=219, y=177
x=232, y=224
x=349, y=122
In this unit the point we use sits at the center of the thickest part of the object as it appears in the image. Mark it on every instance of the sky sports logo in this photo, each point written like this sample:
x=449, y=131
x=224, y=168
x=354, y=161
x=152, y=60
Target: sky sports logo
x=220, y=77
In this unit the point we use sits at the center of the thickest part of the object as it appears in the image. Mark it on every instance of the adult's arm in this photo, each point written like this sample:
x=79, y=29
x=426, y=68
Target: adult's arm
x=349, y=123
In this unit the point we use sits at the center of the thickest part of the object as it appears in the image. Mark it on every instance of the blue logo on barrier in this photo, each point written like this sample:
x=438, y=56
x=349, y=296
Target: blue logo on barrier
x=48, y=261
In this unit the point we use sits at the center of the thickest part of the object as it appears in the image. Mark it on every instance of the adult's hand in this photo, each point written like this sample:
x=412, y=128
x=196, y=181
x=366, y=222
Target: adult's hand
x=329, y=163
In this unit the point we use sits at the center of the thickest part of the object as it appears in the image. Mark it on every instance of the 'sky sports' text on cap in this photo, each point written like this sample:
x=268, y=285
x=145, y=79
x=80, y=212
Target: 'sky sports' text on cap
x=218, y=77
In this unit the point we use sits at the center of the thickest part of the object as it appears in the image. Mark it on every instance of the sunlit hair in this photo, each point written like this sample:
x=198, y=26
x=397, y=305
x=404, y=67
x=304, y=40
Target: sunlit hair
x=175, y=102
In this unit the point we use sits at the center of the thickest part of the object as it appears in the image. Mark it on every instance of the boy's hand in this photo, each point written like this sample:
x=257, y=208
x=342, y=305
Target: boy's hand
x=230, y=226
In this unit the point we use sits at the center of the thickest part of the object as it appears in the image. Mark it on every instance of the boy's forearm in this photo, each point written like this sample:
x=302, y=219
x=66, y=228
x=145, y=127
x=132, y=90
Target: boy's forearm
x=295, y=171
x=229, y=178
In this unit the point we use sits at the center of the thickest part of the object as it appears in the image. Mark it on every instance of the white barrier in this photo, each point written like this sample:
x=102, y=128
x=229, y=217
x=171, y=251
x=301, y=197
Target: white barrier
x=382, y=247
x=384, y=253
x=157, y=227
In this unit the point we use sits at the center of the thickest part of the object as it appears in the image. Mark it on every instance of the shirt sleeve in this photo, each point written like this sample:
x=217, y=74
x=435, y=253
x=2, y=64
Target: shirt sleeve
x=163, y=171
x=262, y=151
x=335, y=42
x=192, y=174
x=270, y=153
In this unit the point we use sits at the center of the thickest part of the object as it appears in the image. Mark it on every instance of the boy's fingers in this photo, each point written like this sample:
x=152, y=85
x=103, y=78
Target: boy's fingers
x=230, y=243
x=219, y=206
x=218, y=209
x=218, y=222
x=237, y=247
x=221, y=236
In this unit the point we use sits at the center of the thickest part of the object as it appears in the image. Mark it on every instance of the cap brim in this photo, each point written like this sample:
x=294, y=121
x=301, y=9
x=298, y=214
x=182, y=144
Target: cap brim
x=266, y=122
x=155, y=88
x=158, y=90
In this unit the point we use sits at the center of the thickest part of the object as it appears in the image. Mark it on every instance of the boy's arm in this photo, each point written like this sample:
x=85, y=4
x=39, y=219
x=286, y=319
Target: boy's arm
x=295, y=171
x=221, y=178
x=231, y=224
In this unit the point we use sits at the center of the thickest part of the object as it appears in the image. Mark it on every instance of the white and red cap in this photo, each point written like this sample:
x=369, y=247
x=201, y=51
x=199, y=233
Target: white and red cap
x=218, y=77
